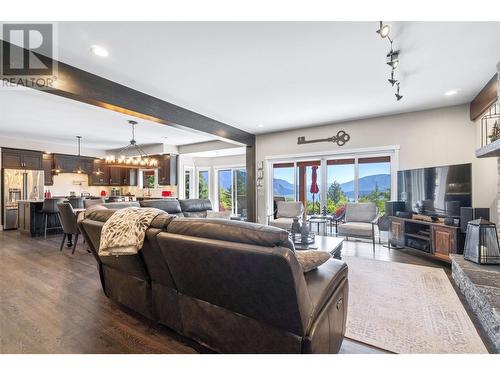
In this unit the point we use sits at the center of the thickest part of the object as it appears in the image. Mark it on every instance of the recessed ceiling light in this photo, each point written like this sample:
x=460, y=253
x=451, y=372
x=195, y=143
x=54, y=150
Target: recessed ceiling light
x=99, y=51
x=450, y=92
x=260, y=126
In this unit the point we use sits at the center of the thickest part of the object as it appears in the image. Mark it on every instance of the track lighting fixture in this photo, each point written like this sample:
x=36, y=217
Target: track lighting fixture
x=384, y=30
x=391, y=80
x=392, y=58
x=398, y=97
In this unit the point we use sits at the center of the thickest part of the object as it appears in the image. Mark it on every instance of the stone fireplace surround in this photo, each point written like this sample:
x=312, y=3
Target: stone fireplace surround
x=480, y=284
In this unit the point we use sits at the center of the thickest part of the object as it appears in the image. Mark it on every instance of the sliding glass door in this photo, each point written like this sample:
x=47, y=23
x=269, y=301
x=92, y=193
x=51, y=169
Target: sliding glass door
x=203, y=184
x=331, y=183
x=374, y=181
x=232, y=190
x=340, y=176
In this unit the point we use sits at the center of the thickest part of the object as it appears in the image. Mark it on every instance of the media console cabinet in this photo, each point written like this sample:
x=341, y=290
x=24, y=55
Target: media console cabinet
x=434, y=238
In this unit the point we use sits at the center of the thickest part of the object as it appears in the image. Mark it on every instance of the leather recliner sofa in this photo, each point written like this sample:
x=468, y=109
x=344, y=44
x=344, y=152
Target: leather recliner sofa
x=232, y=286
x=173, y=206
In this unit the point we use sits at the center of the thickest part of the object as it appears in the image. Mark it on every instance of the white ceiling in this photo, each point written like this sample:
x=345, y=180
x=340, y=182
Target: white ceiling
x=278, y=74
x=35, y=115
x=288, y=74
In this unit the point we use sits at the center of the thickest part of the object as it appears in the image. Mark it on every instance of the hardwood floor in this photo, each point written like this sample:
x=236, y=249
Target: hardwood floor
x=52, y=302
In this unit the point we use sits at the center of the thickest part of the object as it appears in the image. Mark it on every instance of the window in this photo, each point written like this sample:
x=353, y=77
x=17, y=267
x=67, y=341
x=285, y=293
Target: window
x=340, y=188
x=351, y=179
x=203, y=185
x=284, y=181
x=374, y=181
x=188, y=183
x=309, y=193
x=148, y=179
x=240, y=182
x=232, y=190
x=225, y=189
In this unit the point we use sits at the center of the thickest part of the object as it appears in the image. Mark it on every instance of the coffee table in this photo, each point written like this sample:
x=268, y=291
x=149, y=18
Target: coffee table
x=325, y=243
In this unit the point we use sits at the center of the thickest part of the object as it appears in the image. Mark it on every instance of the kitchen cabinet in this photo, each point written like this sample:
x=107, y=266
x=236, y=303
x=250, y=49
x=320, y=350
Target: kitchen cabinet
x=47, y=164
x=128, y=177
x=21, y=159
x=115, y=176
x=167, y=170
x=71, y=163
x=99, y=175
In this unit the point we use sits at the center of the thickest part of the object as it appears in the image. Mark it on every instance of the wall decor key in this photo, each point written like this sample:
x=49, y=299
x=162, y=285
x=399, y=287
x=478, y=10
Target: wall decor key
x=340, y=139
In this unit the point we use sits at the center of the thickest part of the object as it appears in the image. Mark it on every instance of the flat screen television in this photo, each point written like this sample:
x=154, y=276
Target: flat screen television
x=436, y=191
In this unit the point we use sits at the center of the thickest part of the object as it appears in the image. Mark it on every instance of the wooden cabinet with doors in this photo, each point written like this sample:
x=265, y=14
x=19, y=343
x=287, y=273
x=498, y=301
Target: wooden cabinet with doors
x=21, y=159
x=397, y=232
x=444, y=241
x=47, y=163
x=128, y=177
x=115, y=176
x=167, y=169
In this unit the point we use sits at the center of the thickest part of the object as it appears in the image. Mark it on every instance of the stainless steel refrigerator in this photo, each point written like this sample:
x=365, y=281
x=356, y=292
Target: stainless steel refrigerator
x=19, y=184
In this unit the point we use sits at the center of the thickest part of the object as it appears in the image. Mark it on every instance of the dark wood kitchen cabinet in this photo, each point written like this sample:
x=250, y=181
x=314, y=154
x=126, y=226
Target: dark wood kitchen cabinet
x=115, y=176
x=21, y=159
x=47, y=163
x=128, y=177
x=99, y=175
x=167, y=170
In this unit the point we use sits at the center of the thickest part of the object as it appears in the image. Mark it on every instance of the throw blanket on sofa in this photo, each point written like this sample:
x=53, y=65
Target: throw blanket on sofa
x=124, y=232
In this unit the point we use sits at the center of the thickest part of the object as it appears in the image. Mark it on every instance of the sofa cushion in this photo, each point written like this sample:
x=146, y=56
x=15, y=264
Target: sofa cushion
x=360, y=212
x=290, y=209
x=231, y=230
x=218, y=215
x=195, y=205
x=170, y=206
x=355, y=229
x=159, y=222
x=195, y=214
x=311, y=259
x=118, y=205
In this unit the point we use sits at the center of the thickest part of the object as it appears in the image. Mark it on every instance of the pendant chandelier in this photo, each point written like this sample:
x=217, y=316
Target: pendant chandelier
x=139, y=158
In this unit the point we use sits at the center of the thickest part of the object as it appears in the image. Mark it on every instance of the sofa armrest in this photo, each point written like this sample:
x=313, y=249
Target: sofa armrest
x=328, y=290
x=322, y=283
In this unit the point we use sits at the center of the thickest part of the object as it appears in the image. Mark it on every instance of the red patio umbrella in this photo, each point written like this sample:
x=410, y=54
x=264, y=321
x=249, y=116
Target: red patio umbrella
x=314, y=184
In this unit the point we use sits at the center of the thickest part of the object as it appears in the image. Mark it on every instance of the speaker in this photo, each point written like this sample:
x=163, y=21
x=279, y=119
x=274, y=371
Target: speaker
x=391, y=207
x=471, y=213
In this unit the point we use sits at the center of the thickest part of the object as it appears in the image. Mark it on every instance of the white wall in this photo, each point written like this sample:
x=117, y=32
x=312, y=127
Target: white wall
x=427, y=138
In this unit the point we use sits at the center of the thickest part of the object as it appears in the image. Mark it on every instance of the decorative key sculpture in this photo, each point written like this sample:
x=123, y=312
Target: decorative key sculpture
x=340, y=139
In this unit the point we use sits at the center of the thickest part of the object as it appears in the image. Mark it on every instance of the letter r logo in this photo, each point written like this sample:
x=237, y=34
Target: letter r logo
x=29, y=43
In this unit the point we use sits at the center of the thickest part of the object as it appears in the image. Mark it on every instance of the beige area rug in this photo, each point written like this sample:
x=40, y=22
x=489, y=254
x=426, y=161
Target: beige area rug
x=405, y=308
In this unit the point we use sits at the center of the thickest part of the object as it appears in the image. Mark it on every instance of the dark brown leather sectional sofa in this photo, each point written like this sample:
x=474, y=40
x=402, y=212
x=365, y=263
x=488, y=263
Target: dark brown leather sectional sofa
x=232, y=286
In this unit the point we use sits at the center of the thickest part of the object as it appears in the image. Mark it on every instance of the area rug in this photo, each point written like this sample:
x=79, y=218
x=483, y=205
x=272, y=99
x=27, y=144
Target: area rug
x=404, y=308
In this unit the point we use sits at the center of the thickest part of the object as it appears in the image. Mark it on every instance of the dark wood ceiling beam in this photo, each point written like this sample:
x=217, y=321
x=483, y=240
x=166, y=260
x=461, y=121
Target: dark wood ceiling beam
x=486, y=97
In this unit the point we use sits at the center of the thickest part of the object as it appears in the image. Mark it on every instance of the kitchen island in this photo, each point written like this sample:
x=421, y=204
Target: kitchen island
x=29, y=218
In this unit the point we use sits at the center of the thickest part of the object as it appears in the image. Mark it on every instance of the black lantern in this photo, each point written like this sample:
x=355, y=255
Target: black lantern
x=481, y=242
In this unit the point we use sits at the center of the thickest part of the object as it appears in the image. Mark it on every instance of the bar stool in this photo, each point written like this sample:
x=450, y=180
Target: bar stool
x=76, y=202
x=49, y=211
x=69, y=224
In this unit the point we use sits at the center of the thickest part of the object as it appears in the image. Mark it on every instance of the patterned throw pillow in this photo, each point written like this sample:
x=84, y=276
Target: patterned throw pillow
x=311, y=259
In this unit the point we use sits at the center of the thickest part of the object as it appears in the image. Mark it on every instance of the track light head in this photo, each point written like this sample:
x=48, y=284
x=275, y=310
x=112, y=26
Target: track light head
x=384, y=30
x=391, y=80
x=393, y=59
x=398, y=96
